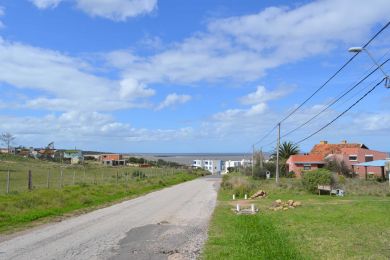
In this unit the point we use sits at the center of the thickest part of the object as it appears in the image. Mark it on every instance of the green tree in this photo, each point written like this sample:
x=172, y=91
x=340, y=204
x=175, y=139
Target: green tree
x=286, y=149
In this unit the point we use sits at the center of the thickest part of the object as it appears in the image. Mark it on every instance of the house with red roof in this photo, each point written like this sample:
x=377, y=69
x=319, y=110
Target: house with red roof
x=304, y=162
x=357, y=155
x=351, y=153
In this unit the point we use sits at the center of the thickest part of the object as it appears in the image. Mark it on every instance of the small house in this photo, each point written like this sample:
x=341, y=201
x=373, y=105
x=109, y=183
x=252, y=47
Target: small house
x=112, y=159
x=304, y=162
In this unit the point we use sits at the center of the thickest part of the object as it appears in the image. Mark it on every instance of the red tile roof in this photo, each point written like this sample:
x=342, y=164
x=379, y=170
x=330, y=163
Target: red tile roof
x=326, y=149
x=308, y=158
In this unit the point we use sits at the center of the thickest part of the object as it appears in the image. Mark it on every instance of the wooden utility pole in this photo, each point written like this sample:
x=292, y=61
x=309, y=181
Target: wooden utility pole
x=261, y=158
x=253, y=160
x=277, y=155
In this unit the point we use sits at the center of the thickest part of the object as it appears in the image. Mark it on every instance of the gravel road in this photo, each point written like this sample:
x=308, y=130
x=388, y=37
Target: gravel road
x=166, y=224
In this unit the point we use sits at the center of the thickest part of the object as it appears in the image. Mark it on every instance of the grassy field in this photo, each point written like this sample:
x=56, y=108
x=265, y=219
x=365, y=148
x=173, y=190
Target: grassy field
x=47, y=174
x=350, y=227
x=21, y=208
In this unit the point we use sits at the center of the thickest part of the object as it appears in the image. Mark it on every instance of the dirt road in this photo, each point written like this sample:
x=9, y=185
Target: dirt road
x=166, y=224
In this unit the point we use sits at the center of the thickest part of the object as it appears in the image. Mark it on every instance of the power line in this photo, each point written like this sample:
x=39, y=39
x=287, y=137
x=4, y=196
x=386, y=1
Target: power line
x=335, y=74
x=266, y=135
x=324, y=84
x=340, y=115
x=333, y=102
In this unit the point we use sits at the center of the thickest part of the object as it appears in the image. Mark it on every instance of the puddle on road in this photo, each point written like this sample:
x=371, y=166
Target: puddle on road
x=158, y=241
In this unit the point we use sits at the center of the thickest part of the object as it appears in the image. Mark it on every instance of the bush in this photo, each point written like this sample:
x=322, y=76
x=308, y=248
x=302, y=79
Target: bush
x=312, y=179
x=259, y=173
x=238, y=184
x=290, y=174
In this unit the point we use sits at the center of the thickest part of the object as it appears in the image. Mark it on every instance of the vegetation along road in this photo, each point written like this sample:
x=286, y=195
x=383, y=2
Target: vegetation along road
x=173, y=221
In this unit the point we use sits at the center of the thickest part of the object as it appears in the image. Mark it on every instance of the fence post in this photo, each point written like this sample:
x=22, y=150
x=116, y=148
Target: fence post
x=48, y=179
x=74, y=176
x=30, y=186
x=94, y=178
x=116, y=176
x=61, y=179
x=102, y=176
x=8, y=181
x=84, y=175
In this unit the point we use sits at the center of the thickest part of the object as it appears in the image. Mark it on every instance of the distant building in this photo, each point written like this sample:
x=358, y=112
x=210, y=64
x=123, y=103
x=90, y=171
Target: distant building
x=112, y=159
x=236, y=164
x=73, y=156
x=213, y=166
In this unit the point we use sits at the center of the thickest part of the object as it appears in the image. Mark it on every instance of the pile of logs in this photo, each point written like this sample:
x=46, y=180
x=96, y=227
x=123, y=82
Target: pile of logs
x=260, y=194
x=280, y=205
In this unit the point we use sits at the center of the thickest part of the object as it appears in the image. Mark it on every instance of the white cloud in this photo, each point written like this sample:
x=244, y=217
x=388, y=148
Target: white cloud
x=117, y=10
x=244, y=47
x=373, y=122
x=83, y=127
x=263, y=95
x=43, y=4
x=132, y=89
x=173, y=99
x=64, y=82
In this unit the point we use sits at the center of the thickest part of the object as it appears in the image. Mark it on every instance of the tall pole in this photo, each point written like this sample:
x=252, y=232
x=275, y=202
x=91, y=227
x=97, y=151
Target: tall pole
x=253, y=159
x=261, y=157
x=277, y=155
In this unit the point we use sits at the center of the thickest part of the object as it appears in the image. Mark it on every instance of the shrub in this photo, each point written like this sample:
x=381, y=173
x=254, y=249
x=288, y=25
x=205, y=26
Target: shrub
x=290, y=174
x=259, y=173
x=311, y=179
x=238, y=184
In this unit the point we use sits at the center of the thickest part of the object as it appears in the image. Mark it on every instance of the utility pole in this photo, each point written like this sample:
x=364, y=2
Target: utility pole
x=277, y=155
x=261, y=158
x=253, y=159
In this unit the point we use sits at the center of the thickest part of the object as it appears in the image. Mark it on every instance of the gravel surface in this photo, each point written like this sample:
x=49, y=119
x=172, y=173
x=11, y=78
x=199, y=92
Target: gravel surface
x=166, y=224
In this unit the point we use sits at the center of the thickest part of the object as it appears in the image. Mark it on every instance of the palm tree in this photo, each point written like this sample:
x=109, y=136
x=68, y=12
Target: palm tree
x=286, y=149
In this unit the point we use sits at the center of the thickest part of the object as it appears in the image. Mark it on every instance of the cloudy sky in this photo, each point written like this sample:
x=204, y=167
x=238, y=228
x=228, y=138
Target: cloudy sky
x=189, y=76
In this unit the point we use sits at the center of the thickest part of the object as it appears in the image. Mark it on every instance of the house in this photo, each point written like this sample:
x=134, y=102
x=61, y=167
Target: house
x=112, y=159
x=304, y=162
x=213, y=166
x=351, y=154
x=356, y=156
x=73, y=156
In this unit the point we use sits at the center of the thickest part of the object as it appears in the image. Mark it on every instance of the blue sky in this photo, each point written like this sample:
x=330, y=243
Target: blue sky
x=187, y=76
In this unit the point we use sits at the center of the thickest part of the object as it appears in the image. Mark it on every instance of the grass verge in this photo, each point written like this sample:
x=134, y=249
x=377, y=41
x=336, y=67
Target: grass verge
x=351, y=227
x=21, y=210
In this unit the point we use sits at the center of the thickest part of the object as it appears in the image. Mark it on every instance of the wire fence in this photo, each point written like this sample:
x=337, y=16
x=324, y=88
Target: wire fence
x=14, y=180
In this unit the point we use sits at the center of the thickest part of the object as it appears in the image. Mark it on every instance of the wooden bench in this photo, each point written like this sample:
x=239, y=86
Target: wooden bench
x=326, y=188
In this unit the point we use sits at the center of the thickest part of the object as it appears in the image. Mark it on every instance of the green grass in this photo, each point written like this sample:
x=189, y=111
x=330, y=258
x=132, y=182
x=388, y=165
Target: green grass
x=99, y=186
x=352, y=227
x=45, y=171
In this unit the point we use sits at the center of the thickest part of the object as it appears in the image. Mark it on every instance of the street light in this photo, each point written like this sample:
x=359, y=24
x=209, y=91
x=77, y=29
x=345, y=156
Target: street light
x=360, y=49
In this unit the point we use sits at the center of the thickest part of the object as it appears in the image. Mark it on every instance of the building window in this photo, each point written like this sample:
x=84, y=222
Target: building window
x=353, y=158
x=306, y=167
x=369, y=158
x=206, y=162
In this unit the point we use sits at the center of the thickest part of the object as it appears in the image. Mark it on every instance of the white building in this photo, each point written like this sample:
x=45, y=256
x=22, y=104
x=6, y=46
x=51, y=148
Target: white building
x=235, y=164
x=213, y=166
